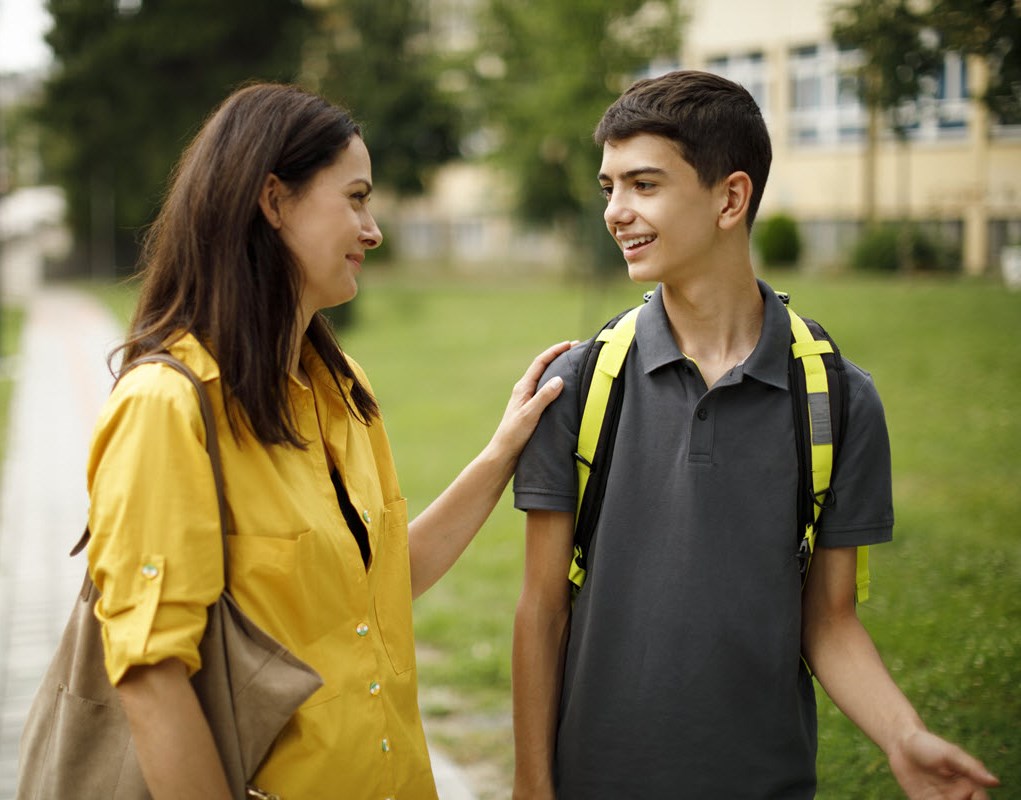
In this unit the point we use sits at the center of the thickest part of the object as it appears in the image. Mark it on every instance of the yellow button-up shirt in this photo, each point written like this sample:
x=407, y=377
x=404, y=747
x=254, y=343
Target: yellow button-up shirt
x=295, y=567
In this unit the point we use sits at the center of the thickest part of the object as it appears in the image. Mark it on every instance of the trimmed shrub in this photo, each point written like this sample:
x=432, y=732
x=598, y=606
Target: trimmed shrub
x=886, y=248
x=778, y=241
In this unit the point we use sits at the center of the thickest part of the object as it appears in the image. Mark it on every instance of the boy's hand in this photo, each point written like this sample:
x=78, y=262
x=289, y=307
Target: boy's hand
x=930, y=768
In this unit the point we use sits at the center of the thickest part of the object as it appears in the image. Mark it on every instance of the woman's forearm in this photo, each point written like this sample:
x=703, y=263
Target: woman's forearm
x=438, y=536
x=175, y=747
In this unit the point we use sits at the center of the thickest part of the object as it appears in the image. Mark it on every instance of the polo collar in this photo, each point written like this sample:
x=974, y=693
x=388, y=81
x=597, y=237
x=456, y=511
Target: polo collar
x=656, y=344
x=767, y=363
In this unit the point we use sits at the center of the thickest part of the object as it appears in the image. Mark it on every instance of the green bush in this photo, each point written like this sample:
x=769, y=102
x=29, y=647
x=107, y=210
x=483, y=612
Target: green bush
x=778, y=241
x=882, y=249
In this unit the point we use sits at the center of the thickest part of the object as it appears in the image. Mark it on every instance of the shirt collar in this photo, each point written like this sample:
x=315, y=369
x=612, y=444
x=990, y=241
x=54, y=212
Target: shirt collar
x=318, y=371
x=188, y=349
x=767, y=363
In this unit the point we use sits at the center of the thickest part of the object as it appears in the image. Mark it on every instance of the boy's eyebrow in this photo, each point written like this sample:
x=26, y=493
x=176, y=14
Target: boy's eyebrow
x=633, y=173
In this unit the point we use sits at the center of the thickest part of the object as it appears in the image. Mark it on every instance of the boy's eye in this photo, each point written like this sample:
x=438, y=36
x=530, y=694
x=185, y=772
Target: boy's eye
x=643, y=185
x=606, y=191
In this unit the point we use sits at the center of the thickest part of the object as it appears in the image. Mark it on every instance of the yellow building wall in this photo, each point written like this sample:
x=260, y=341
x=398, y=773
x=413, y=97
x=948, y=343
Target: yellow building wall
x=972, y=180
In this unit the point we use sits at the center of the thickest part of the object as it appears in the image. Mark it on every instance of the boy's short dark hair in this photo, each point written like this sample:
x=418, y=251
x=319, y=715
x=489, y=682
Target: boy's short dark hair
x=715, y=122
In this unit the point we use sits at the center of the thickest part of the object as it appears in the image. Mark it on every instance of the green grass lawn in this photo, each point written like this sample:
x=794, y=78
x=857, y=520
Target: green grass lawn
x=946, y=595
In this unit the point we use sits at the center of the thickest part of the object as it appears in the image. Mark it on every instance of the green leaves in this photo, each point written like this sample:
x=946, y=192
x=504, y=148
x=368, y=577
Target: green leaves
x=562, y=65
x=130, y=88
x=378, y=64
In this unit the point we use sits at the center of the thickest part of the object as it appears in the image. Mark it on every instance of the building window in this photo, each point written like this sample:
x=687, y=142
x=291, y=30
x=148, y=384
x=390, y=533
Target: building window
x=824, y=105
x=747, y=69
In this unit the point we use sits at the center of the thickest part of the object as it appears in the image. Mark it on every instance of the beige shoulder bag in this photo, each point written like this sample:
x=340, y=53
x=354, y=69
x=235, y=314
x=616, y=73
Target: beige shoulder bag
x=76, y=741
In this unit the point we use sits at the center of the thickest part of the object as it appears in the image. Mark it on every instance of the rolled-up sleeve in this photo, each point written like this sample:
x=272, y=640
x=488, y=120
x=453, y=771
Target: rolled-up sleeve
x=155, y=554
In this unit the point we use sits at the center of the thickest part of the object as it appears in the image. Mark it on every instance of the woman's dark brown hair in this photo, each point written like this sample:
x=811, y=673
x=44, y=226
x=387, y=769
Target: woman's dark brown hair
x=213, y=266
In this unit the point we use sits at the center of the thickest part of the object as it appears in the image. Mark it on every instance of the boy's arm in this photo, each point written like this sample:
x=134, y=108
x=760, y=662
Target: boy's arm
x=844, y=659
x=540, y=640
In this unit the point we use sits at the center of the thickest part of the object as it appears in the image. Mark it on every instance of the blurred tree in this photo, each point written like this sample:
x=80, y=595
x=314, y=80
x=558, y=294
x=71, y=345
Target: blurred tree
x=133, y=80
x=991, y=30
x=379, y=62
x=896, y=58
x=547, y=72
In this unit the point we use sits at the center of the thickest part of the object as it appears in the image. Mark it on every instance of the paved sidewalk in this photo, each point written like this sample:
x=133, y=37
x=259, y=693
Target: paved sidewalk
x=61, y=383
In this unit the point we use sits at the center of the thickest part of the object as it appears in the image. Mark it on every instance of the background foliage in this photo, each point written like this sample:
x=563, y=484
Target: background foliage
x=377, y=61
x=990, y=29
x=133, y=82
x=546, y=73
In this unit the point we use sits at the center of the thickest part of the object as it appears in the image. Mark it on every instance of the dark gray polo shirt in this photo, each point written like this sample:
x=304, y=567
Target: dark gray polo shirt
x=683, y=675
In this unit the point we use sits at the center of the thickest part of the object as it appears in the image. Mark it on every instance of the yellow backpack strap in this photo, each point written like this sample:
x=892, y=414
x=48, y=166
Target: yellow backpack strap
x=809, y=351
x=614, y=345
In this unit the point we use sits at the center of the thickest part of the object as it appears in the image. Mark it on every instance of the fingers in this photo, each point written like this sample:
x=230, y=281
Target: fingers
x=549, y=392
x=964, y=764
x=532, y=407
x=958, y=761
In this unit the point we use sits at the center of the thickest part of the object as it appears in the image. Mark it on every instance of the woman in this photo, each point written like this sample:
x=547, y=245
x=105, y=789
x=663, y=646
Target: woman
x=266, y=222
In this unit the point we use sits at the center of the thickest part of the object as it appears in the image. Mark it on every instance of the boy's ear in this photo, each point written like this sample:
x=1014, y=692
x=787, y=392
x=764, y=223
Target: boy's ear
x=735, y=195
x=269, y=200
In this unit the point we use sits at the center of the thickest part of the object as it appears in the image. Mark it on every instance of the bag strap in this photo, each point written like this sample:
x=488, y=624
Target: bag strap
x=819, y=388
x=212, y=446
x=602, y=393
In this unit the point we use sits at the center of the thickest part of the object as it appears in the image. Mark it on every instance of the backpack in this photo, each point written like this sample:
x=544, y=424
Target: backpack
x=819, y=391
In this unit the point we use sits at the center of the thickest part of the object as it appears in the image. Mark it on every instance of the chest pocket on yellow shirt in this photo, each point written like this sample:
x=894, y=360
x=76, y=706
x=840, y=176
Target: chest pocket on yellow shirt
x=286, y=584
x=393, y=588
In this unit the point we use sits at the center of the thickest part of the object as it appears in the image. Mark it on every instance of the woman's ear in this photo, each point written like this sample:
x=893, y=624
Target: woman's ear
x=270, y=198
x=735, y=195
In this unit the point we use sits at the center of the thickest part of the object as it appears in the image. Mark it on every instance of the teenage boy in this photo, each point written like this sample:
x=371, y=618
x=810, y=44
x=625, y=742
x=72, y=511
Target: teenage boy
x=678, y=672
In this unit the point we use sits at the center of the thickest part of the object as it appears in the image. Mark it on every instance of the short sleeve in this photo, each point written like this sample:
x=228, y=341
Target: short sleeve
x=862, y=509
x=156, y=553
x=546, y=477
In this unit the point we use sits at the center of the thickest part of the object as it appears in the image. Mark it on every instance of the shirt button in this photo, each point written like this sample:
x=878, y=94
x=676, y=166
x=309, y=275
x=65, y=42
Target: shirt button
x=703, y=414
x=362, y=629
x=385, y=745
x=374, y=688
x=366, y=516
x=150, y=571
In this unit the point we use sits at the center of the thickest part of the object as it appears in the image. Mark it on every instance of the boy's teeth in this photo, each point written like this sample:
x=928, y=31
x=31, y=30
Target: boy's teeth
x=639, y=240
